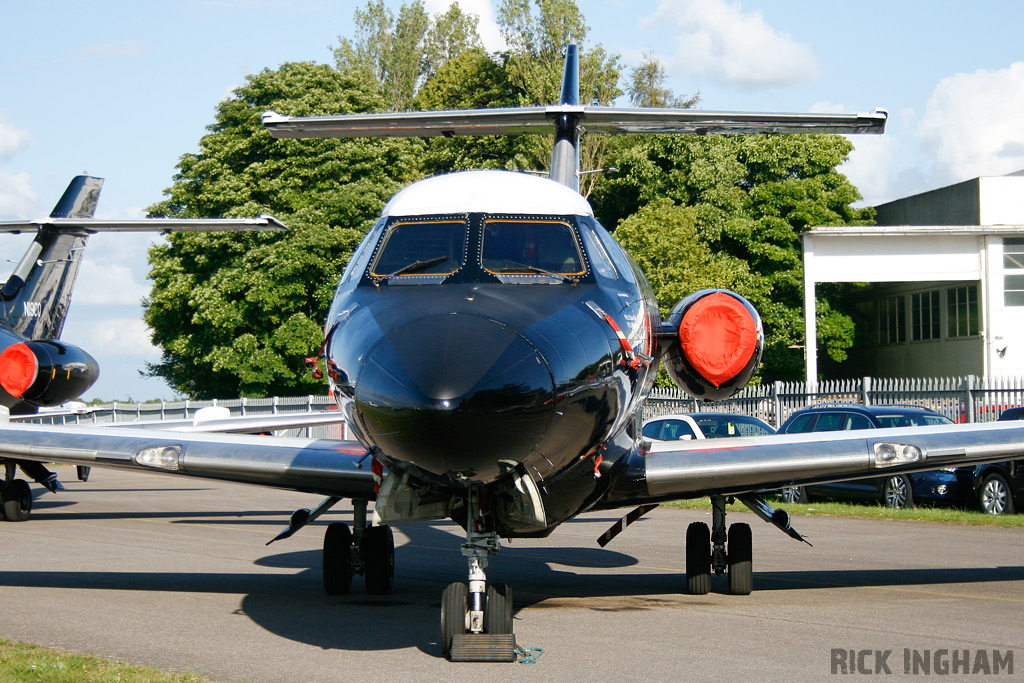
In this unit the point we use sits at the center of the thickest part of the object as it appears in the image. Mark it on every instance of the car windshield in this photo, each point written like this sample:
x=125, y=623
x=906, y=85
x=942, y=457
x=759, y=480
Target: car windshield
x=418, y=248
x=530, y=247
x=724, y=426
x=911, y=420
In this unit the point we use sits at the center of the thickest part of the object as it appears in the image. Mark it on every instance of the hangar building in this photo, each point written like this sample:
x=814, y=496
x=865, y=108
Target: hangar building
x=944, y=274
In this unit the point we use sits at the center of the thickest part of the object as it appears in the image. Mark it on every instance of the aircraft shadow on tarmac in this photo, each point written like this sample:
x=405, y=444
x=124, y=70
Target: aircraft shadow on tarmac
x=295, y=607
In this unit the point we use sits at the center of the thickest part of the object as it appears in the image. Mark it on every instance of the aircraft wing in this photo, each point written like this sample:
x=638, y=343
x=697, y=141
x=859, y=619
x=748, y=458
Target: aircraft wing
x=262, y=222
x=690, y=469
x=539, y=120
x=322, y=466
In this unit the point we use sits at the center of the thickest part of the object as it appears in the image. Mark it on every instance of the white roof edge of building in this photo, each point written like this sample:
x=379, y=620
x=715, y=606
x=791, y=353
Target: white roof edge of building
x=881, y=230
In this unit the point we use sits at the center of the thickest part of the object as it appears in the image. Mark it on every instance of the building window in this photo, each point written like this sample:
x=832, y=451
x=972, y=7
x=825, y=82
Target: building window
x=962, y=311
x=924, y=315
x=892, y=320
x=1013, y=271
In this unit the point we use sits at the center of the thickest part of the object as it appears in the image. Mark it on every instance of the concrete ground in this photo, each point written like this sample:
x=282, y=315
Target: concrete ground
x=174, y=573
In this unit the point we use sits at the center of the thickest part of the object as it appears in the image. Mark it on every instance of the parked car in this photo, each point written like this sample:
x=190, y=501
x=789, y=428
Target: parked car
x=999, y=486
x=948, y=485
x=703, y=426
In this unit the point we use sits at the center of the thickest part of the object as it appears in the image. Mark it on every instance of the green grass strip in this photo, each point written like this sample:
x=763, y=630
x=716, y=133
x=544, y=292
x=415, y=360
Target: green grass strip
x=21, y=662
x=943, y=515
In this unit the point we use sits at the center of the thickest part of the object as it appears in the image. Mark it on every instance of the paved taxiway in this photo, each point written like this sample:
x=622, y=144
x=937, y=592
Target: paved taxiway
x=173, y=572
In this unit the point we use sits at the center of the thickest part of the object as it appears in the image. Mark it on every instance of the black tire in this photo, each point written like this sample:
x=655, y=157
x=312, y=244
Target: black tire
x=337, y=559
x=793, y=494
x=994, y=495
x=83, y=472
x=897, y=493
x=454, y=605
x=378, y=549
x=17, y=497
x=698, y=559
x=498, y=611
x=740, y=559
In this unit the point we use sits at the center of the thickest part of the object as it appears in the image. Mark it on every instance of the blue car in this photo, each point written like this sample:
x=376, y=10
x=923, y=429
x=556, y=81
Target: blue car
x=953, y=485
x=999, y=486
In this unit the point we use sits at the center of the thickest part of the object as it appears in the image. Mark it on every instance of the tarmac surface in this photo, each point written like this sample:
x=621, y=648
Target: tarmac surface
x=174, y=573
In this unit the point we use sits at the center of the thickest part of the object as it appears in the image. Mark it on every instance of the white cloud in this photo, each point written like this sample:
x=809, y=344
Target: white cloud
x=13, y=139
x=127, y=338
x=973, y=124
x=870, y=167
x=115, y=267
x=17, y=198
x=487, y=27
x=717, y=40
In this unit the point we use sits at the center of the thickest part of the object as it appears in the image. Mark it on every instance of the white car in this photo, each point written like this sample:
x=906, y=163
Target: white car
x=703, y=426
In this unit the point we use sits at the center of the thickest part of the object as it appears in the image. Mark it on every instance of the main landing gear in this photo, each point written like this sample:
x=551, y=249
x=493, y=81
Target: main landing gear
x=365, y=549
x=716, y=550
x=476, y=619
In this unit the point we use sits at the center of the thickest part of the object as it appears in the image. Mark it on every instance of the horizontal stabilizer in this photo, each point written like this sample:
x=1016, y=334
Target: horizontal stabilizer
x=93, y=225
x=541, y=120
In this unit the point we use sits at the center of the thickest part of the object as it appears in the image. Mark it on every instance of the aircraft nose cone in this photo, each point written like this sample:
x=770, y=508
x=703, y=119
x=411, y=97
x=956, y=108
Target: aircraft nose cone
x=455, y=394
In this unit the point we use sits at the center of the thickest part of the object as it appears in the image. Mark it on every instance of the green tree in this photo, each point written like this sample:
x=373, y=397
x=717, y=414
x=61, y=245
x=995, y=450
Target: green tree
x=236, y=314
x=389, y=50
x=536, y=32
x=646, y=87
x=450, y=34
x=749, y=197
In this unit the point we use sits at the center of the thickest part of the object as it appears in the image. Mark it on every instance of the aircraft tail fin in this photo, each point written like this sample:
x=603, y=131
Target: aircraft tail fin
x=34, y=300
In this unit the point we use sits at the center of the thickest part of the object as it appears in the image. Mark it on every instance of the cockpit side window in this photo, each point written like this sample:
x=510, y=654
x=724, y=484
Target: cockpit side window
x=421, y=247
x=529, y=247
x=598, y=255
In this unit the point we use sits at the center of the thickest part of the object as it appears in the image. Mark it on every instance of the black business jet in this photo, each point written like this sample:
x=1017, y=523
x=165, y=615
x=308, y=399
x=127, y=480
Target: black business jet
x=37, y=369
x=491, y=345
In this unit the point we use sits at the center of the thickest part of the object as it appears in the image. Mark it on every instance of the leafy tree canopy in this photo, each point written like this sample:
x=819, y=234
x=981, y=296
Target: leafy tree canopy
x=235, y=315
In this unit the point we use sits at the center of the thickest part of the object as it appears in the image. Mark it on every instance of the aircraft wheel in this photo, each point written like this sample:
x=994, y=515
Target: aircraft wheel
x=498, y=612
x=337, y=559
x=17, y=497
x=698, y=558
x=378, y=548
x=740, y=556
x=83, y=472
x=454, y=607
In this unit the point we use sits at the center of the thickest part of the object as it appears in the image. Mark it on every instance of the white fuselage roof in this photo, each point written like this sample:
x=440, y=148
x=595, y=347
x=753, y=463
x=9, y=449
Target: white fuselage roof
x=494, y=192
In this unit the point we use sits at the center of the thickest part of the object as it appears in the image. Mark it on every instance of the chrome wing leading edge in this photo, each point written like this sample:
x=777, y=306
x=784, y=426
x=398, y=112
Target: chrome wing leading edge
x=690, y=469
x=322, y=466
x=541, y=120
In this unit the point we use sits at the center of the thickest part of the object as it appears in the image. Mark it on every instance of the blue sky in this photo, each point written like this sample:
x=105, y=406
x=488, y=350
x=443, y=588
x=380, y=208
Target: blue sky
x=123, y=89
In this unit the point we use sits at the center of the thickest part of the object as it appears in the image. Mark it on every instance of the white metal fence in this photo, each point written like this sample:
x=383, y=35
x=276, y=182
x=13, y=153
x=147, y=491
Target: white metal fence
x=962, y=399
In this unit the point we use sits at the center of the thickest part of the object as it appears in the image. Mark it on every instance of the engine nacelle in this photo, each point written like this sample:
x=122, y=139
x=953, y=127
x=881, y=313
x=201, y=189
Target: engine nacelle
x=715, y=340
x=46, y=372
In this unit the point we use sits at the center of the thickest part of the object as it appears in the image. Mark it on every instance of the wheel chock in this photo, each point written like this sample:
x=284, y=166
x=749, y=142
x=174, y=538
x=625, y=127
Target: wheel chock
x=483, y=647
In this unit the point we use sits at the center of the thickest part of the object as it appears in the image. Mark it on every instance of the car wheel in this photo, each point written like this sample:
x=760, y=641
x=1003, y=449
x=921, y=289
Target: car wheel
x=793, y=494
x=994, y=496
x=896, y=492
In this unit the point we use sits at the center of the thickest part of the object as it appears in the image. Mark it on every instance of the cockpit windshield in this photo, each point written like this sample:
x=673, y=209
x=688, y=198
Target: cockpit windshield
x=421, y=248
x=527, y=247
x=477, y=248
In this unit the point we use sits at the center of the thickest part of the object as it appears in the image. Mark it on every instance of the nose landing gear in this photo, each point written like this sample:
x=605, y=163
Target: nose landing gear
x=476, y=619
